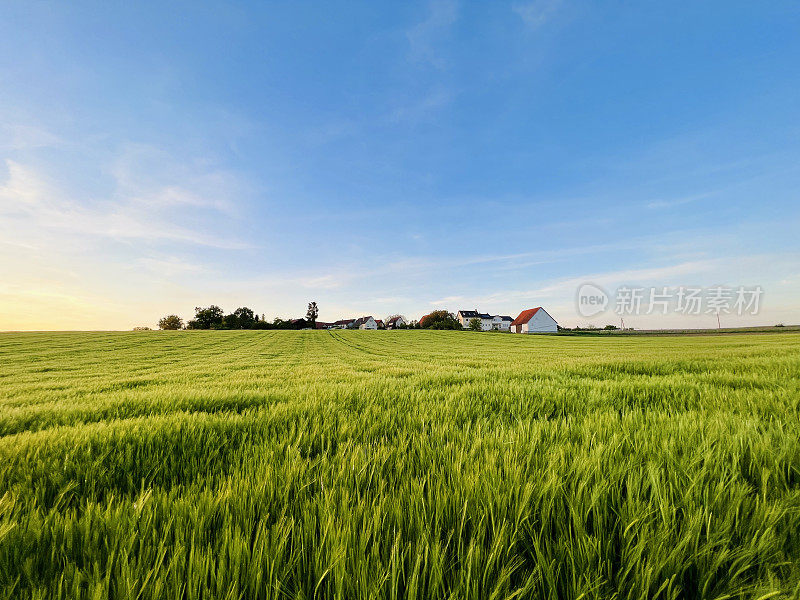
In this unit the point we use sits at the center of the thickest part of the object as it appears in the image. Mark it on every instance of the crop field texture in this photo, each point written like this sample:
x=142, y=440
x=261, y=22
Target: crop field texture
x=405, y=464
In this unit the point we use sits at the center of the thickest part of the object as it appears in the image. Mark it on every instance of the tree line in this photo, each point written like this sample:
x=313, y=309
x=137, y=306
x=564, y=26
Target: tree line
x=213, y=317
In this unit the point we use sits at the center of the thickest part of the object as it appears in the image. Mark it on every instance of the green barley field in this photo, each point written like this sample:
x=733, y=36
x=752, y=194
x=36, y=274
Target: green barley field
x=405, y=464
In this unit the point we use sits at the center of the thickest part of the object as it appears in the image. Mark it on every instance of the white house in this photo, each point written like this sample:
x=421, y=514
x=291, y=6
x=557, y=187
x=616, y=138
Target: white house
x=534, y=320
x=395, y=322
x=360, y=323
x=503, y=323
x=464, y=317
x=488, y=322
x=365, y=323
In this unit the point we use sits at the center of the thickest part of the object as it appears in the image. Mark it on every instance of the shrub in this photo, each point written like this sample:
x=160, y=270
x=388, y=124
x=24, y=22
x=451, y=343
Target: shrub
x=439, y=319
x=170, y=322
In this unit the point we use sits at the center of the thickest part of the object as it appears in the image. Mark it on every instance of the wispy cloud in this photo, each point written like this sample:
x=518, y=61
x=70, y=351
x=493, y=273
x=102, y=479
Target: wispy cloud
x=170, y=266
x=319, y=282
x=148, y=176
x=18, y=136
x=424, y=38
x=422, y=107
x=673, y=202
x=447, y=300
x=537, y=13
x=29, y=199
x=707, y=272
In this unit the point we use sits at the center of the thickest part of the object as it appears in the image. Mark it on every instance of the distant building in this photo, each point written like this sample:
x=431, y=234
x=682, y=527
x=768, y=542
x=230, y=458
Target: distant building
x=360, y=323
x=395, y=322
x=365, y=323
x=534, y=320
x=465, y=316
x=488, y=322
x=504, y=323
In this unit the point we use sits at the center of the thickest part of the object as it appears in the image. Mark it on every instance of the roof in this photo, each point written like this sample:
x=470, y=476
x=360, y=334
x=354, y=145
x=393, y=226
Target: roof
x=526, y=315
x=343, y=321
x=361, y=320
x=506, y=318
x=394, y=320
x=474, y=314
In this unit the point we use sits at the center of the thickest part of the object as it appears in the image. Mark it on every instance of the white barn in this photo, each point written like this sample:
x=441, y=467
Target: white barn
x=534, y=320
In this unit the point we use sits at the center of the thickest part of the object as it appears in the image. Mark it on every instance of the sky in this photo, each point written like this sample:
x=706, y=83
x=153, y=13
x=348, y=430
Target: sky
x=383, y=158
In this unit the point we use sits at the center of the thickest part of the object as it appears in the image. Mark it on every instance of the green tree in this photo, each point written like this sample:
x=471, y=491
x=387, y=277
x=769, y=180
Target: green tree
x=245, y=317
x=475, y=324
x=207, y=318
x=170, y=322
x=279, y=323
x=439, y=319
x=312, y=313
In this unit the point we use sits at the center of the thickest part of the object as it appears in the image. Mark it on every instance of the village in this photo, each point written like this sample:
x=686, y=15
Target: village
x=532, y=320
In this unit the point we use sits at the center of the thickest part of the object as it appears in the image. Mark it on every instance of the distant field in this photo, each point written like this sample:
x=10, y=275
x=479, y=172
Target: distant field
x=406, y=464
x=715, y=331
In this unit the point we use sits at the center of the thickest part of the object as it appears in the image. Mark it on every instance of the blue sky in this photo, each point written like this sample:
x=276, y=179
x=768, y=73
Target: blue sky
x=394, y=157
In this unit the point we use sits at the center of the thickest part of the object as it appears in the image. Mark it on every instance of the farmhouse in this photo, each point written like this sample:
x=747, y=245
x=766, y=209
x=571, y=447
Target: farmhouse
x=502, y=322
x=488, y=322
x=360, y=323
x=341, y=324
x=534, y=320
x=465, y=316
x=365, y=323
x=395, y=322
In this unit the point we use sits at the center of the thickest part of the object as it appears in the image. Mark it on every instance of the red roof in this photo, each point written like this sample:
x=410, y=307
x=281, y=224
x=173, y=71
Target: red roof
x=525, y=316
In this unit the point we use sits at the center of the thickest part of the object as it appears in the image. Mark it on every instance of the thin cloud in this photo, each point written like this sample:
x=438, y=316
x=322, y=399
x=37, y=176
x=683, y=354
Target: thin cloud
x=25, y=137
x=446, y=300
x=657, y=204
x=171, y=266
x=425, y=37
x=28, y=199
x=422, y=108
x=537, y=13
